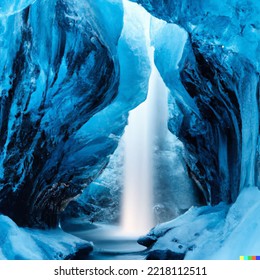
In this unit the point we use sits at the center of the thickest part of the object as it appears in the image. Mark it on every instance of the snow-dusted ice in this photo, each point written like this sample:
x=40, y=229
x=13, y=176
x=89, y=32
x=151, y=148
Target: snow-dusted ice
x=70, y=72
x=220, y=232
x=31, y=244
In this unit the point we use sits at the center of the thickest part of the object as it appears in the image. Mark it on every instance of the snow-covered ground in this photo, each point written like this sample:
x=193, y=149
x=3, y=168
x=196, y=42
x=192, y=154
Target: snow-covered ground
x=31, y=244
x=220, y=232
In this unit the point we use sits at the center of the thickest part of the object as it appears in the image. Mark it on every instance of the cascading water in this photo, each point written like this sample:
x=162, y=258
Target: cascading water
x=144, y=123
x=155, y=184
x=138, y=184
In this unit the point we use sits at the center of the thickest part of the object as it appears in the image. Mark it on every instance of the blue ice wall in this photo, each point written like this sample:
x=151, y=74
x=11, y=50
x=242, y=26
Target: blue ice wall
x=8, y=7
x=59, y=67
x=105, y=128
x=215, y=89
x=68, y=78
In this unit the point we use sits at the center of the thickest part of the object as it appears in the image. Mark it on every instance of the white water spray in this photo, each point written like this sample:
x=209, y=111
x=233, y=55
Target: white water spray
x=143, y=123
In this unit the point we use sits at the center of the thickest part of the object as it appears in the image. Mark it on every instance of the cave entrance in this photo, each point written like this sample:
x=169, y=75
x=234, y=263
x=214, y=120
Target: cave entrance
x=145, y=182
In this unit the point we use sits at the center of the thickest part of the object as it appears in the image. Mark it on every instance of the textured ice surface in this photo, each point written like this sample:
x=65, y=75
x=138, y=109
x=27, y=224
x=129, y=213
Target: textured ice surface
x=219, y=232
x=101, y=200
x=68, y=80
x=59, y=67
x=215, y=89
x=8, y=7
x=28, y=244
x=105, y=128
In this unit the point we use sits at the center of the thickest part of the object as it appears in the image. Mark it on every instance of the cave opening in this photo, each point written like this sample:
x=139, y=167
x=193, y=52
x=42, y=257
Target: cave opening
x=92, y=94
x=146, y=181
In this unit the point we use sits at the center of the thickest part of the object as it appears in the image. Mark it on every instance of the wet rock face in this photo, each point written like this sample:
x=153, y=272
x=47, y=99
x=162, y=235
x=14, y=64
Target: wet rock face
x=57, y=71
x=215, y=91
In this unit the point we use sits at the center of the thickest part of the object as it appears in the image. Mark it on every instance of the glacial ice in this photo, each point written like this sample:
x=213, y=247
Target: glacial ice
x=100, y=201
x=32, y=244
x=70, y=72
x=60, y=70
x=105, y=129
x=214, y=232
x=215, y=89
x=8, y=7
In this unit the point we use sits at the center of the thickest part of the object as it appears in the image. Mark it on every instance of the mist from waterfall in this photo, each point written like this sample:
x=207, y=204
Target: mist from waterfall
x=144, y=122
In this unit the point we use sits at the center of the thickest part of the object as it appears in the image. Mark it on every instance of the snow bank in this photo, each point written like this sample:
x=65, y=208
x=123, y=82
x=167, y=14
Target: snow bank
x=220, y=232
x=30, y=244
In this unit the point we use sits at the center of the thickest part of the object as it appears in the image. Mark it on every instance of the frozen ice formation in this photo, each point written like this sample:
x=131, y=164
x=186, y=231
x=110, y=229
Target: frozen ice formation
x=34, y=244
x=215, y=89
x=70, y=73
x=65, y=98
x=210, y=232
x=59, y=67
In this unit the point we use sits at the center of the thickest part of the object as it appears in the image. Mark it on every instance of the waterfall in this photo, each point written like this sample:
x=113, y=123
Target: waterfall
x=137, y=215
x=145, y=121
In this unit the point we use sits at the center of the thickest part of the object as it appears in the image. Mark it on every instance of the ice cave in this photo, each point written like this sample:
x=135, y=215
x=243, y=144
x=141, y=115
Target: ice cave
x=129, y=129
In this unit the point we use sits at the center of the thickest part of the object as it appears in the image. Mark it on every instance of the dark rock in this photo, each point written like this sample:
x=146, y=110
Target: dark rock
x=164, y=255
x=147, y=240
x=76, y=225
x=81, y=253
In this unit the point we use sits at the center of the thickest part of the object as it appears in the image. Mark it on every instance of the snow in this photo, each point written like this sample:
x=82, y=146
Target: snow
x=31, y=244
x=214, y=233
x=242, y=227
